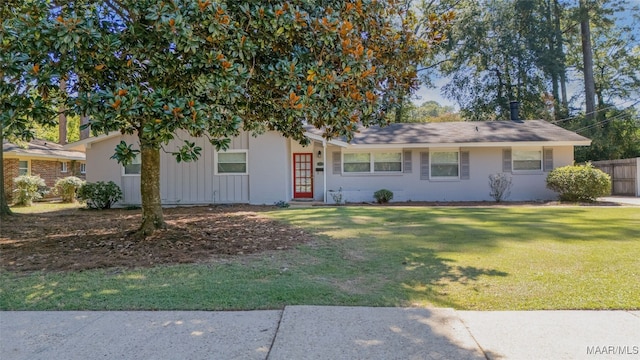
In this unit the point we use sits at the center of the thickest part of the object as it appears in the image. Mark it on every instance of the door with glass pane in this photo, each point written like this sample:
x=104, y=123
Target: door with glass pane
x=303, y=176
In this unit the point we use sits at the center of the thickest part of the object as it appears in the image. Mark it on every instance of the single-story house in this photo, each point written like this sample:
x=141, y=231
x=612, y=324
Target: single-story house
x=47, y=159
x=417, y=161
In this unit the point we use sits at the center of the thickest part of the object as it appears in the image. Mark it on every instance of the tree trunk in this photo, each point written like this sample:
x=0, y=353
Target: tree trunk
x=400, y=110
x=4, y=206
x=553, y=69
x=587, y=56
x=62, y=118
x=562, y=68
x=152, y=217
x=84, y=133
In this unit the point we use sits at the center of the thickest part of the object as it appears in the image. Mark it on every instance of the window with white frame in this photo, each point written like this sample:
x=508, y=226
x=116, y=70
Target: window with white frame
x=445, y=164
x=64, y=166
x=387, y=162
x=374, y=162
x=23, y=167
x=134, y=168
x=357, y=163
x=83, y=168
x=231, y=162
x=527, y=159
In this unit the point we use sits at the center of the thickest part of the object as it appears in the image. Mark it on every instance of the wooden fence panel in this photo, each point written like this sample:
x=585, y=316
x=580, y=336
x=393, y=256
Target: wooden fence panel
x=624, y=175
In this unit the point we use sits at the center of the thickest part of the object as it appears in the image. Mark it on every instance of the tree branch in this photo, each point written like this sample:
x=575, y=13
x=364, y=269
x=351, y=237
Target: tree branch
x=434, y=65
x=120, y=9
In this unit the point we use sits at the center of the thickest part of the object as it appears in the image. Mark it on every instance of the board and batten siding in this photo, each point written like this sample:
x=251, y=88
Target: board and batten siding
x=196, y=182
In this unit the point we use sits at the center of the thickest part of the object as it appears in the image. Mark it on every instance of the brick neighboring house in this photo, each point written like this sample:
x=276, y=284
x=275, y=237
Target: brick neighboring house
x=39, y=157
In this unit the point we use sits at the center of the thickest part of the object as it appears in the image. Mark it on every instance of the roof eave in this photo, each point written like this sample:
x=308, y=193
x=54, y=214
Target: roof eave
x=82, y=145
x=470, y=144
x=23, y=154
x=321, y=139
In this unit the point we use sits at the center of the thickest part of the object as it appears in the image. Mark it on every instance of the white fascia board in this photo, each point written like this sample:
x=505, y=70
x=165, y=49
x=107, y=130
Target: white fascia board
x=81, y=145
x=322, y=140
x=21, y=155
x=471, y=145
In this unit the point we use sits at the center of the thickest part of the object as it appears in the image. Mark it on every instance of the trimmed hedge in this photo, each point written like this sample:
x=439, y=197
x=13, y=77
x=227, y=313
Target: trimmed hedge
x=579, y=182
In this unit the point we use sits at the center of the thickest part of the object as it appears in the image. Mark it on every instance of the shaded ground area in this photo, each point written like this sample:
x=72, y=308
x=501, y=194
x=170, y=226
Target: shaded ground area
x=83, y=239
x=79, y=239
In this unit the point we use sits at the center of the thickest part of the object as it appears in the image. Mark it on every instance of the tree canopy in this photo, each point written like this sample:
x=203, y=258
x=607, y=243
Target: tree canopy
x=532, y=52
x=154, y=68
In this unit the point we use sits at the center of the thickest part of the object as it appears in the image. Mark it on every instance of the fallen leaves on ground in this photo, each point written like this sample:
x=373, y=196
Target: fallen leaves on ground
x=83, y=239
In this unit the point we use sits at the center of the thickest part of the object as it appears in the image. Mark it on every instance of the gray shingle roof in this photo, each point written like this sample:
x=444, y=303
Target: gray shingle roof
x=467, y=132
x=43, y=149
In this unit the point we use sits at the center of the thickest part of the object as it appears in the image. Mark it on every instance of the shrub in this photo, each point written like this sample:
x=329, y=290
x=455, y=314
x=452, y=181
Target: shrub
x=28, y=189
x=337, y=196
x=383, y=196
x=579, y=182
x=100, y=195
x=500, y=185
x=67, y=188
x=281, y=204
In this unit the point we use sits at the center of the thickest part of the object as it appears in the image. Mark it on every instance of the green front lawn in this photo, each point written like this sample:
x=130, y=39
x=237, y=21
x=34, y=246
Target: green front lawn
x=484, y=258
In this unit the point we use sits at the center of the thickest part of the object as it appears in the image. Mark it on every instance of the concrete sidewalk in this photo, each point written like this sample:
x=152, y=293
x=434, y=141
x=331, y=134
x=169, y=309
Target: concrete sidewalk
x=622, y=200
x=315, y=332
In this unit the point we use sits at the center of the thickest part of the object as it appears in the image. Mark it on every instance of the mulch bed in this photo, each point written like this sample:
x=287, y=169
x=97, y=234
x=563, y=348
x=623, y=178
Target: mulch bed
x=85, y=239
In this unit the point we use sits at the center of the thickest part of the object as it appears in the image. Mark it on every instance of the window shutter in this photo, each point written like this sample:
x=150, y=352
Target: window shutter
x=547, y=159
x=337, y=164
x=424, y=165
x=464, y=165
x=407, y=162
x=506, y=160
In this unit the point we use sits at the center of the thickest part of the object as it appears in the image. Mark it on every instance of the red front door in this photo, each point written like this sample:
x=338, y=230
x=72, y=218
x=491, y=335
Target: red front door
x=303, y=176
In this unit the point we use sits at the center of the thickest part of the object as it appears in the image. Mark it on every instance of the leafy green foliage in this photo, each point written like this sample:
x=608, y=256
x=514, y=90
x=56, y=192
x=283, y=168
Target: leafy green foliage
x=125, y=154
x=188, y=152
x=67, y=188
x=614, y=134
x=161, y=69
x=429, y=111
x=383, y=196
x=579, y=182
x=28, y=188
x=282, y=204
x=100, y=195
x=522, y=50
x=489, y=63
x=51, y=133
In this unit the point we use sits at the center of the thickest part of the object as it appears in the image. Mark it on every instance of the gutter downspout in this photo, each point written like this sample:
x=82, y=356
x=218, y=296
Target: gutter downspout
x=324, y=172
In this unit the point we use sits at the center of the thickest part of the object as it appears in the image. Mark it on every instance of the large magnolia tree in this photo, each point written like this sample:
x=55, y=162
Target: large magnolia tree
x=213, y=68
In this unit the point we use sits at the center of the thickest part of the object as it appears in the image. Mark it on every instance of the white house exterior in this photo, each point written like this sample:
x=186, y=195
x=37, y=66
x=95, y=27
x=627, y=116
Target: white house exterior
x=418, y=162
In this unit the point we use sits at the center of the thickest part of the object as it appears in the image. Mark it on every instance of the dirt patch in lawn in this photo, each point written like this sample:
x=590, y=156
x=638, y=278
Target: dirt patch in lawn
x=82, y=239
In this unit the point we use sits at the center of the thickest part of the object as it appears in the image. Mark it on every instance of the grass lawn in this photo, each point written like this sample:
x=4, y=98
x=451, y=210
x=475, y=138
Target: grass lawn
x=481, y=258
x=46, y=206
